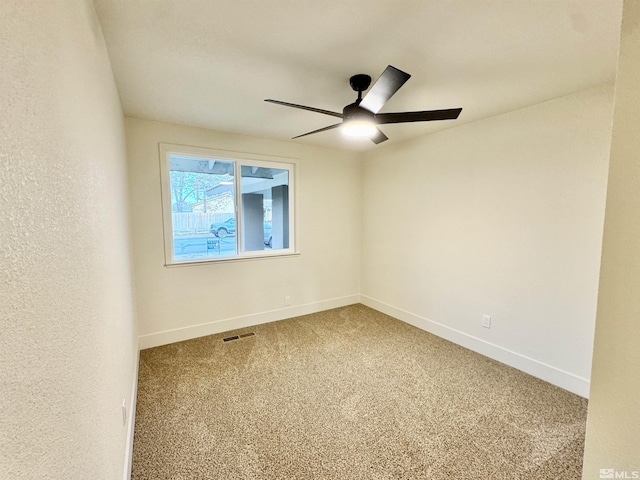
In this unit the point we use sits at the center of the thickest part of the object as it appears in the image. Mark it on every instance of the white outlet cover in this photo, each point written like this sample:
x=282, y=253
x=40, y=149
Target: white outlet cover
x=486, y=321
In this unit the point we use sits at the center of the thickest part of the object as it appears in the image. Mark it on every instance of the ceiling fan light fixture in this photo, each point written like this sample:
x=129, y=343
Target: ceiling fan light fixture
x=359, y=128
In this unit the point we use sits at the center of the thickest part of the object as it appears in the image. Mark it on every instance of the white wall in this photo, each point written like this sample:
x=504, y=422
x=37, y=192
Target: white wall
x=613, y=425
x=68, y=343
x=500, y=217
x=176, y=303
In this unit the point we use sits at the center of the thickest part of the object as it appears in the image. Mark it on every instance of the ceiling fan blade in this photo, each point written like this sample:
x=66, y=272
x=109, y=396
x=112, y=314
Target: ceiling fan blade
x=379, y=137
x=384, y=88
x=330, y=127
x=311, y=109
x=424, y=116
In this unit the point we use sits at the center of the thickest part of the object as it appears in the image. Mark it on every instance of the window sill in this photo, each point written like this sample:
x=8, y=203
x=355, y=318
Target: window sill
x=231, y=260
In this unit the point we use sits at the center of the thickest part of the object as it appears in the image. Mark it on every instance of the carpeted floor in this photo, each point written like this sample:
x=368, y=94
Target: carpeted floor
x=348, y=393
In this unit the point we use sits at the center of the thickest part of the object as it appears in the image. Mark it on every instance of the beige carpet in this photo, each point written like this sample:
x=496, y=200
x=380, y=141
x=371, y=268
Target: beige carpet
x=348, y=393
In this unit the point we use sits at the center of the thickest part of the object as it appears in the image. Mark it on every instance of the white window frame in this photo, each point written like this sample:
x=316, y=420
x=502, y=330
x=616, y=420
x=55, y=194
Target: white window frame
x=239, y=159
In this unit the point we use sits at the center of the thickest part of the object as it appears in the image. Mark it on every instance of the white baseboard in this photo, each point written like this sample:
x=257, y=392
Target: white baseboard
x=553, y=375
x=131, y=420
x=218, y=326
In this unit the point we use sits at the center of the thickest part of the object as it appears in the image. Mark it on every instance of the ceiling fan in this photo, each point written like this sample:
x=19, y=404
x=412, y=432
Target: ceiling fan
x=361, y=118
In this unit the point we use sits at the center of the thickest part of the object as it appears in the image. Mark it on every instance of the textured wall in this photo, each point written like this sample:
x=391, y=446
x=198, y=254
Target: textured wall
x=501, y=217
x=613, y=426
x=67, y=333
x=328, y=236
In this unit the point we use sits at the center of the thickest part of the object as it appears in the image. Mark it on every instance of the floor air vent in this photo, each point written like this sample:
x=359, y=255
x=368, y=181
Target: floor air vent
x=237, y=337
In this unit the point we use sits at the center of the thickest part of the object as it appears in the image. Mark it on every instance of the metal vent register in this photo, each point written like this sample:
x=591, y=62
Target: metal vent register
x=237, y=337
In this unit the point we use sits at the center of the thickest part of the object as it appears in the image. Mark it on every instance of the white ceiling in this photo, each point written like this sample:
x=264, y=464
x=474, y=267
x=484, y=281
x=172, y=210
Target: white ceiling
x=211, y=63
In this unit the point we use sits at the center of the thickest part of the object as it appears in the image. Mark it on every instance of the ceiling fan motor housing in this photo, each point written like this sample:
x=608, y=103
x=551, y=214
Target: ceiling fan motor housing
x=354, y=112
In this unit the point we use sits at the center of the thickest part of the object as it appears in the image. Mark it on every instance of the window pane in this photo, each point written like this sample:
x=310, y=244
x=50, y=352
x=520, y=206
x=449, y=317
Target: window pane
x=265, y=208
x=202, y=207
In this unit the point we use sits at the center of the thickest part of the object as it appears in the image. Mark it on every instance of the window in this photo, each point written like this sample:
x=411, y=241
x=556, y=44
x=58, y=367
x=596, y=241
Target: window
x=225, y=205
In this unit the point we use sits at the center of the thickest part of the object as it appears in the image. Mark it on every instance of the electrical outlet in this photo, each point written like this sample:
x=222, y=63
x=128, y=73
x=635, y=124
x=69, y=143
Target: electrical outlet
x=486, y=321
x=124, y=412
x=287, y=300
